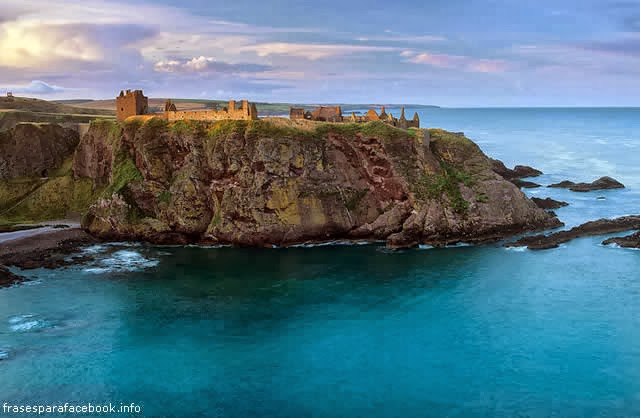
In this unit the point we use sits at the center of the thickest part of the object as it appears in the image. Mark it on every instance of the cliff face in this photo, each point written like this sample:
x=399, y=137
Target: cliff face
x=278, y=182
x=35, y=174
x=30, y=150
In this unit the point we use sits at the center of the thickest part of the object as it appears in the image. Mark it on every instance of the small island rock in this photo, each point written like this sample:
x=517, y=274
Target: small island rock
x=549, y=203
x=603, y=183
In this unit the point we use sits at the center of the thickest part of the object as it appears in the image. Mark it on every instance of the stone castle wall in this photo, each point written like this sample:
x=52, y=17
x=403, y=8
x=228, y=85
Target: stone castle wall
x=245, y=112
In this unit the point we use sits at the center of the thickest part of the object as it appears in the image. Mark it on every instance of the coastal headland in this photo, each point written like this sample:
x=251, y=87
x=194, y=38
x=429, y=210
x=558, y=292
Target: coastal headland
x=261, y=182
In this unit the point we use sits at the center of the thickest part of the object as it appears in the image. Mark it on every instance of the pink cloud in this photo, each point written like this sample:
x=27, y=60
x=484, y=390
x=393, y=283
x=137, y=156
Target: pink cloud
x=436, y=60
x=457, y=61
x=487, y=66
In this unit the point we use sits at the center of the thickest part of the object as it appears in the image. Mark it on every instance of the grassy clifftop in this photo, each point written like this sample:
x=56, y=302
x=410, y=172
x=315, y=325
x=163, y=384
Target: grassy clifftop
x=42, y=106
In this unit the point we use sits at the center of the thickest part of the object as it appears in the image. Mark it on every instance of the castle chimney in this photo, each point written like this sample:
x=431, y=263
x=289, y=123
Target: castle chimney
x=232, y=105
x=245, y=106
x=416, y=117
x=402, y=115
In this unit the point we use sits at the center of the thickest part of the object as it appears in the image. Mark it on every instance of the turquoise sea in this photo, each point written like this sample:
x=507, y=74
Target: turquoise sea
x=358, y=331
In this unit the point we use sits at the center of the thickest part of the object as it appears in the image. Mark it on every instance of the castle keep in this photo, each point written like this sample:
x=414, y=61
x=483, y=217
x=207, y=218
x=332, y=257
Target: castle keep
x=135, y=103
x=130, y=104
x=334, y=114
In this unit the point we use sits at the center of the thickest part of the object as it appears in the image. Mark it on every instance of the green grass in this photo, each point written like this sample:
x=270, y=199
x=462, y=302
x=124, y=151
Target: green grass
x=124, y=172
x=446, y=183
x=482, y=198
x=165, y=197
x=8, y=119
x=64, y=169
x=55, y=198
x=42, y=106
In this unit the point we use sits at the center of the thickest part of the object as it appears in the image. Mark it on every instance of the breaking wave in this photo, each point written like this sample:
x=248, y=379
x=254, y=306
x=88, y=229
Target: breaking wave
x=121, y=261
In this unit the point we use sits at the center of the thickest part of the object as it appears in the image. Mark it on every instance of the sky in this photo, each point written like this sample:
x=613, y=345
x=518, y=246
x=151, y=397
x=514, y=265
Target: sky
x=457, y=53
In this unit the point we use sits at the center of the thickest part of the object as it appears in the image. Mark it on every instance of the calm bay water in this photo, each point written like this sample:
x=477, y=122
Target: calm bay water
x=358, y=330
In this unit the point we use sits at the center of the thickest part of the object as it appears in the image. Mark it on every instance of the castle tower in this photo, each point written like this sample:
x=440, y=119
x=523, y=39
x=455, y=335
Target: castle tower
x=383, y=114
x=372, y=115
x=415, y=123
x=131, y=103
x=232, y=105
x=402, y=122
x=253, y=112
x=169, y=106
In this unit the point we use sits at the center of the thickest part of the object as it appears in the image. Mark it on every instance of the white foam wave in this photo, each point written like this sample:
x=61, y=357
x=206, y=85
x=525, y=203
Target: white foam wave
x=122, y=261
x=4, y=353
x=94, y=249
x=25, y=323
x=516, y=249
x=20, y=318
x=619, y=247
x=458, y=245
x=330, y=244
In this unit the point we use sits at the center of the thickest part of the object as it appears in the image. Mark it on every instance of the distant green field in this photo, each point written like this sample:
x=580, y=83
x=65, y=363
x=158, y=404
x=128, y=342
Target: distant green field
x=10, y=118
x=43, y=106
x=27, y=110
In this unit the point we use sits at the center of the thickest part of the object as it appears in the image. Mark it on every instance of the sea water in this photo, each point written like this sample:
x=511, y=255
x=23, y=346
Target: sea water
x=357, y=331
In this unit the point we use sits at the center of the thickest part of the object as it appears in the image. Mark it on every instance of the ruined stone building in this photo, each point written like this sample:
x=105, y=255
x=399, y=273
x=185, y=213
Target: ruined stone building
x=296, y=113
x=131, y=103
x=334, y=114
x=135, y=103
x=321, y=113
x=327, y=113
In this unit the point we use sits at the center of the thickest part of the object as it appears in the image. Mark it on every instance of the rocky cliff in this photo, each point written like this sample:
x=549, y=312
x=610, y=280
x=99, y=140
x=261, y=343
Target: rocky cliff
x=279, y=182
x=35, y=174
x=31, y=150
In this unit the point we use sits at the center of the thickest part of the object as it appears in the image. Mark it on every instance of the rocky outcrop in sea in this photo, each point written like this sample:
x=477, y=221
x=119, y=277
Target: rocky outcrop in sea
x=603, y=183
x=281, y=182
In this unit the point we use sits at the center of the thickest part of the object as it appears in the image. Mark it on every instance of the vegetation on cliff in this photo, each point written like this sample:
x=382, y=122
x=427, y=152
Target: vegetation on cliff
x=277, y=181
x=271, y=181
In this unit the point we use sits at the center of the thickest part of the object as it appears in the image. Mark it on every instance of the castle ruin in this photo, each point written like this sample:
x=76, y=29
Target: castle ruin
x=135, y=103
x=334, y=114
x=131, y=103
x=321, y=114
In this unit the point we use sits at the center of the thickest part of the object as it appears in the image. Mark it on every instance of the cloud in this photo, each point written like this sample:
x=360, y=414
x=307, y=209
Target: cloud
x=464, y=63
x=435, y=60
x=26, y=44
x=402, y=38
x=311, y=52
x=166, y=46
x=487, y=66
x=36, y=87
x=204, y=64
x=628, y=46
